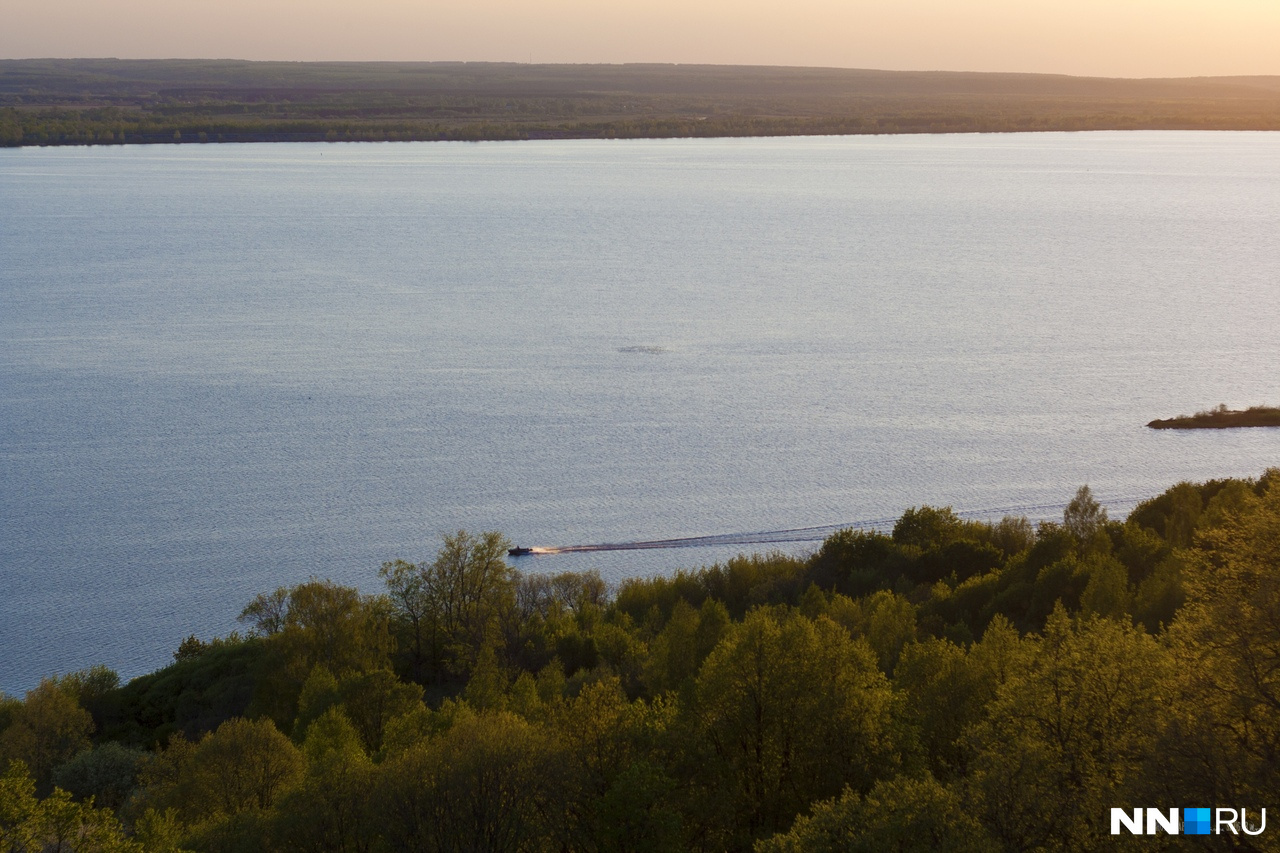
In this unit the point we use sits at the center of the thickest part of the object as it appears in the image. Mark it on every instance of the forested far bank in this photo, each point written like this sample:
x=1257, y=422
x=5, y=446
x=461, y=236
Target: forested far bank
x=112, y=102
x=953, y=685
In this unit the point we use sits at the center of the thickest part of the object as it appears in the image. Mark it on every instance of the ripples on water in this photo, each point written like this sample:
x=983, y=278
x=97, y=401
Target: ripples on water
x=226, y=368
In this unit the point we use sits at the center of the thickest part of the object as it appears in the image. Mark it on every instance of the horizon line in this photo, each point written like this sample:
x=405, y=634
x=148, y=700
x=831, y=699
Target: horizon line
x=625, y=64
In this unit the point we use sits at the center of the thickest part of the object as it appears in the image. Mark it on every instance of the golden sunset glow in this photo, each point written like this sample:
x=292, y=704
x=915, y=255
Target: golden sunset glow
x=1126, y=38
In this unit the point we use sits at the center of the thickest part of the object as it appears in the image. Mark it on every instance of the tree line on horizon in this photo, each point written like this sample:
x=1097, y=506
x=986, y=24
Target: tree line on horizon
x=115, y=102
x=953, y=685
x=233, y=122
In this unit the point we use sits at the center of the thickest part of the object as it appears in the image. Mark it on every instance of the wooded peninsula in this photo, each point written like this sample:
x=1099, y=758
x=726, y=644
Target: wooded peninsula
x=111, y=101
x=953, y=685
x=1223, y=418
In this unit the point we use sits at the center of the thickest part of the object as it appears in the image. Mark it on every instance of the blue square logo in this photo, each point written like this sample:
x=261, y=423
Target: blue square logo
x=1195, y=822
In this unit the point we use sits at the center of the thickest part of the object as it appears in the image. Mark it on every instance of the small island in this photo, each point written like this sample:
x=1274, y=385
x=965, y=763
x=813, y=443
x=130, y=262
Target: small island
x=1223, y=418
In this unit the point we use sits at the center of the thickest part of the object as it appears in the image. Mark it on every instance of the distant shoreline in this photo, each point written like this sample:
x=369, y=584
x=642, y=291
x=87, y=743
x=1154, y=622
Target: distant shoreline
x=550, y=136
x=115, y=102
x=1223, y=418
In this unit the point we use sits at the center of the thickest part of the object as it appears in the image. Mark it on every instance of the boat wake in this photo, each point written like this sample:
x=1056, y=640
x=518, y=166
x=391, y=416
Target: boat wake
x=1034, y=512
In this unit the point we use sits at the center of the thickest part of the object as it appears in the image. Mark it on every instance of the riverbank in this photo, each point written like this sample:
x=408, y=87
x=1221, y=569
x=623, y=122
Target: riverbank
x=107, y=101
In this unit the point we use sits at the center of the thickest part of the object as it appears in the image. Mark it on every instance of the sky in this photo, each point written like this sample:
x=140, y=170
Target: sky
x=1110, y=38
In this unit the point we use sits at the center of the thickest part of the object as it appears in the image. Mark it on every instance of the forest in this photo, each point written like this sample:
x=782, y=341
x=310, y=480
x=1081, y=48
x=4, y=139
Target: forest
x=950, y=686
x=113, y=102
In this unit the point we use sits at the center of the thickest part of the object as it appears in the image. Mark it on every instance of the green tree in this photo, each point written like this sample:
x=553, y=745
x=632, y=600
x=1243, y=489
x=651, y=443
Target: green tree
x=336, y=627
x=1066, y=736
x=1161, y=594
x=244, y=766
x=319, y=694
x=854, y=562
x=325, y=625
x=48, y=728
x=1107, y=592
x=332, y=809
x=1085, y=519
x=416, y=726
x=492, y=782
x=18, y=805
x=267, y=612
x=452, y=605
x=96, y=689
x=1013, y=535
x=927, y=527
x=1224, y=736
x=673, y=658
x=889, y=623
x=789, y=710
x=637, y=814
x=598, y=728
x=1186, y=505
x=56, y=823
x=488, y=686
x=901, y=814
x=9, y=708
x=107, y=773
x=369, y=700
x=407, y=588
x=159, y=832
x=945, y=693
x=372, y=700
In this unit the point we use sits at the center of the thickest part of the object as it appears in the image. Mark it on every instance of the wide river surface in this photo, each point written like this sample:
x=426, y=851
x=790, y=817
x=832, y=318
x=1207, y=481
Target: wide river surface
x=228, y=368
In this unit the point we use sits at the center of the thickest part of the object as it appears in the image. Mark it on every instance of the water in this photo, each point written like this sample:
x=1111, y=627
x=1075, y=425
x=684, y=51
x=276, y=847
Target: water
x=227, y=368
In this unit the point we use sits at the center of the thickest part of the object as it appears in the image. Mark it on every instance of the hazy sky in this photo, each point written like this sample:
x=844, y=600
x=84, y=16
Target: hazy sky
x=1126, y=38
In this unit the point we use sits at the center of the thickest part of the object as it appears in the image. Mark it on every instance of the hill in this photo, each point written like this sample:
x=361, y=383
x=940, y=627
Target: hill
x=105, y=101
